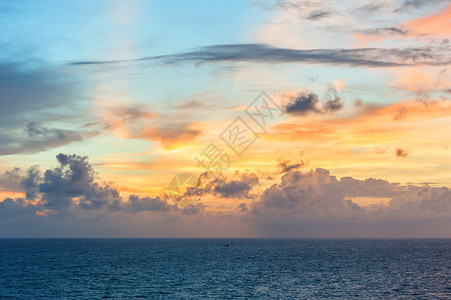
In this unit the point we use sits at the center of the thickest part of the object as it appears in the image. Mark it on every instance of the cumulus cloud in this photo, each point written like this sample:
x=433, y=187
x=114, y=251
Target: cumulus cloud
x=306, y=103
x=10, y=180
x=313, y=202
x=73, y=184
x=317, y=191
x=237, y=186
x=10, y=208
x=74, y=178
x=30, y=182
x=319, y=203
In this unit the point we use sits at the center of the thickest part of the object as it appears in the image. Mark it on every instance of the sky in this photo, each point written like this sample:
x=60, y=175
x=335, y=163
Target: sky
x=271, y=118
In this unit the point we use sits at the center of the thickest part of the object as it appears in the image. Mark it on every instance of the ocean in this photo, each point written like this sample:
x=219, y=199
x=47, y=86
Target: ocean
x=225, y=268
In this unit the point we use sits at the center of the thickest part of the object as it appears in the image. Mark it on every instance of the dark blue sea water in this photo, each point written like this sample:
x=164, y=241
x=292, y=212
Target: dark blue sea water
x=206, y=269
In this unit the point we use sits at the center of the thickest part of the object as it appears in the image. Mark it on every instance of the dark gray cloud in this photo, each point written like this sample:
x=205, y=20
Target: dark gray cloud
x=136, y=204
x=303, y=9
x=306, y=103
x=27, y=90
x=233, y=189
x=318, y=15
x=401, y=152
x=303, y=104
x=73, y=184
x=10, y=208
x=370, y=8
x=37, y=137
x=238, y=187
x=384, y=31
x=242, y=207
x=30, y=182
x=286, y=165
x=31, y=92
x=74, y=178
x=416, y=4
x=192, y=210
x=363, y=57
x=18, y=181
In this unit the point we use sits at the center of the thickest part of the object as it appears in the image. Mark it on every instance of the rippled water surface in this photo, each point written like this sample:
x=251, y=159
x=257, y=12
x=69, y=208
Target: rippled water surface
x=207, y=269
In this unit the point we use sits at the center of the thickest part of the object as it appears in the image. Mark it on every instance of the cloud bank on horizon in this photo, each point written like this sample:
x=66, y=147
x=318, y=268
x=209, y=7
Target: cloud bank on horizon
x=146, y=88
x=310, y=202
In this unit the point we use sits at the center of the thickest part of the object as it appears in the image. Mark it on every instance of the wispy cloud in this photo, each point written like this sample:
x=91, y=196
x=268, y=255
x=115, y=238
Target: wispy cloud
x=38, y=137
x=384, y=31
x=260, y=53
x=417, y=4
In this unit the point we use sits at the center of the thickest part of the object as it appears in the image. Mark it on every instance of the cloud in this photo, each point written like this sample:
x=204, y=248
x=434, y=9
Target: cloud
x=40, y=138
x=192, y=210
x=10, y=180
x=384, y=31
x=417, y=4
x=238, y=185
x=30, y=182
x=401, y=152
x=233, y=188
x=286, y=166
x=242, y=207
x=319, y=192
x=303, y=104
x=304, y=9
x=171, y=135
x=146, y=204
x=359, y=57
x=10, y=208
x=317, y=203
x=32, y=92
x=400, y=114
x=141, y=122
x=73, y=184
x=306, y=103
x=27, y=90
x=370, y=9
x=310, y=203
x=318, y=15
x=74, y=178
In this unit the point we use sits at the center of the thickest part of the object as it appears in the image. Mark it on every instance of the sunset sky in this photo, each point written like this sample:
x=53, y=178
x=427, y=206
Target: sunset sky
x=324, y=118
